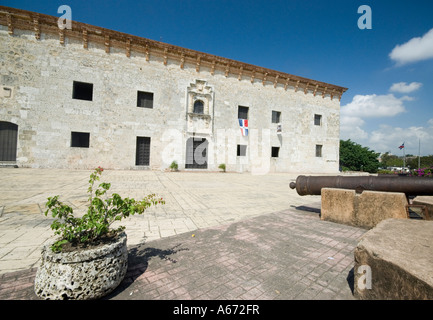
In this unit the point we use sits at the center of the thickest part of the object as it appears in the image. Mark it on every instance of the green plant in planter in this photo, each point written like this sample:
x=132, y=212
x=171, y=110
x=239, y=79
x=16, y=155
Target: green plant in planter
x=174, y=166
x=222, y=166
x=101, y=214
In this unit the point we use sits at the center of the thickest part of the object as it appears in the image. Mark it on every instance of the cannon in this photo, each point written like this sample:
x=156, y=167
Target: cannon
x=410, y=186
x=384, y=197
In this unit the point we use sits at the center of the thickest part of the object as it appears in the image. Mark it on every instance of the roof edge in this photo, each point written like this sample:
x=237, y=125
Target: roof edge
x=38, y=23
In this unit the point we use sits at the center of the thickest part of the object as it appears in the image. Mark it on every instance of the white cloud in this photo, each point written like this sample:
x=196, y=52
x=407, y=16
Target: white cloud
x=403, y=87
x=388, y=138
x=350, y=128
x=374, y=106
x=416, y=49
x=407, y=98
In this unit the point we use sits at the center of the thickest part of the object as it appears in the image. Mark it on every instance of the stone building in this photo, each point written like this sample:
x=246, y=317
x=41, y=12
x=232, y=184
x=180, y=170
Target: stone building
x=86, y=96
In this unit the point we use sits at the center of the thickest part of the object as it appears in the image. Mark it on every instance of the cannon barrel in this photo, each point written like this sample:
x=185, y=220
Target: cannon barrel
x=411, y=186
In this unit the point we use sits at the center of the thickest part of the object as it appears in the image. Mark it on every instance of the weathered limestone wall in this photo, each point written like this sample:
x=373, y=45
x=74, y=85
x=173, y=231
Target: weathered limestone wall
x=41, y=74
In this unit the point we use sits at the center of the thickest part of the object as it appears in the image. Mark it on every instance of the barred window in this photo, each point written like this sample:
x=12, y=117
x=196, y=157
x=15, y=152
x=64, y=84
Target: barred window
x=242, y=112
x=198, y=107
x=242, y=150
x=318, y=150
x=142, y=151
x=82, y=91
x=276, y=115
x=80, y=139
x=145, y=99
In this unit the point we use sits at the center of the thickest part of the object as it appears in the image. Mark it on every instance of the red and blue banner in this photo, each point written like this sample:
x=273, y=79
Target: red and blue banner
x=243, y=123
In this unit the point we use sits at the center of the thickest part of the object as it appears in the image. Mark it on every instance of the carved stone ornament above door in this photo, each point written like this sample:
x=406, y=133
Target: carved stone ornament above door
x=200, y=107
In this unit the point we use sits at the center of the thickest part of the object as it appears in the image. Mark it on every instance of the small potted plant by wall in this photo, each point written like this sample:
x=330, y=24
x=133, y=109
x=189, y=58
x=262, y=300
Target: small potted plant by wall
x=174, y=166
x=90, y=258
x=222, y=166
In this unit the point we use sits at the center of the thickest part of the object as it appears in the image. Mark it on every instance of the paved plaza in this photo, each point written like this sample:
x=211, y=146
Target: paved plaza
x=219, y=235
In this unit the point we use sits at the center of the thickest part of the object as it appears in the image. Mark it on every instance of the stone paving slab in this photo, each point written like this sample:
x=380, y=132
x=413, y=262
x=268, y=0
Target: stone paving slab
x=286, y=255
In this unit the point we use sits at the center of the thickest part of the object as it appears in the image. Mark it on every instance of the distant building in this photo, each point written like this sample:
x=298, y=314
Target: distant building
x=88, y=96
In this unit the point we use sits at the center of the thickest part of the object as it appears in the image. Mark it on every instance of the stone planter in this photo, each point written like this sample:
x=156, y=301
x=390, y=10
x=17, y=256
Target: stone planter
x=82, y=275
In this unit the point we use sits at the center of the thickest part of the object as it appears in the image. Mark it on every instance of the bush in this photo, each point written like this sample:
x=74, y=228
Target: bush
x=173, y=166
x=385, y=171
x=424, y=172
x=222, y=166
x=101, y=214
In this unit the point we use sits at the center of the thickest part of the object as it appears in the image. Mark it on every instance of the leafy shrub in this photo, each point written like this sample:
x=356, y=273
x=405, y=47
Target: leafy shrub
x=424, y=172
x=222, y=166
x=385, y=171
x=173, y=166
x=101, y=214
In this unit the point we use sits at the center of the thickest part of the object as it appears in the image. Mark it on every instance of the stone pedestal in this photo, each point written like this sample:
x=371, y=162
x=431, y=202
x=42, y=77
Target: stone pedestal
x=394, y=261
x=364, y=210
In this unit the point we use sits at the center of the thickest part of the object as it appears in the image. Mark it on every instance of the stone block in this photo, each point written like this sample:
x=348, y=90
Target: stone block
x=364, y=210
x=394, y=261
x=338, y=205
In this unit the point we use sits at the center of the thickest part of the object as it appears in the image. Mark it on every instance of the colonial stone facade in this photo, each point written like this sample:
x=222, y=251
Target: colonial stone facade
x=88, y=96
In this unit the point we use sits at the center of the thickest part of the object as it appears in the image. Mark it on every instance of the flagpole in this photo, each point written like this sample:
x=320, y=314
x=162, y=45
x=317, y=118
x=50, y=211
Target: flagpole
x=419, y=153
x=404, y=156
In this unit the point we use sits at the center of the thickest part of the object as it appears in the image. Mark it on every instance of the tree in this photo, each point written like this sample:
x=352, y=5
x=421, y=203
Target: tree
x=425, y=162
x=390, y=160
x=355, y=157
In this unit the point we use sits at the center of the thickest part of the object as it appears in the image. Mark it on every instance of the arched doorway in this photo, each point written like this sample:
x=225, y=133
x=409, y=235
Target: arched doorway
x=8, y=141
x=196, y=153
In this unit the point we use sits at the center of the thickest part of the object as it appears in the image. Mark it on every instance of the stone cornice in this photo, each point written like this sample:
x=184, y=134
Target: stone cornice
x=41, y=23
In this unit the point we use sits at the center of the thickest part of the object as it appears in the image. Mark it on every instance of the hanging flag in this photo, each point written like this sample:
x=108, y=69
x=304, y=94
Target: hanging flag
x=279, y=129
x=402, y=146
x=243, y=123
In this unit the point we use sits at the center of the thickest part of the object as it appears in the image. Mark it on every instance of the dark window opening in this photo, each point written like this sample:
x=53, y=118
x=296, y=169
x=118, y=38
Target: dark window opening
x=145, y=99
x=142, y=155
x=275, y=152
x=317, y=119
x=243, y=112
x=276, y=115
x=242, y=150
x=82, y=91
x=196, y=153
x=8, y=141
x=198, y=106
x=80, y=139
x=318, y=150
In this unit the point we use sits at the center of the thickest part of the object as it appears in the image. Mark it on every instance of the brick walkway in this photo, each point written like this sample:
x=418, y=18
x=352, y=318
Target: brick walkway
x=289, y=254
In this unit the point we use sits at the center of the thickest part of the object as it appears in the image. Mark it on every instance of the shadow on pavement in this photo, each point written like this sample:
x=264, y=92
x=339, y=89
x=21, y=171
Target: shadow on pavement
x=351, y=280
x=138, y=261
x=307, y=208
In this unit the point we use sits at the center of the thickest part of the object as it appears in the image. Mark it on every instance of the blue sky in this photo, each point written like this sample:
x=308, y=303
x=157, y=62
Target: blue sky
x=388, y=68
